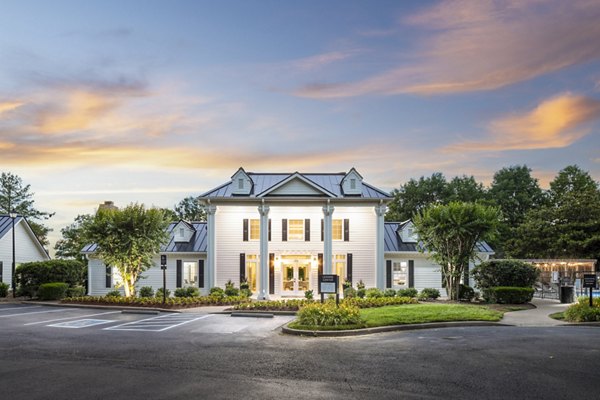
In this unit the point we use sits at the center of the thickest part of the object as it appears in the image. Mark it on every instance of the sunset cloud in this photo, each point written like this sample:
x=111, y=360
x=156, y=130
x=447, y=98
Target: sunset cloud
x=474, y=45
x=555, y=123
x=6, y=106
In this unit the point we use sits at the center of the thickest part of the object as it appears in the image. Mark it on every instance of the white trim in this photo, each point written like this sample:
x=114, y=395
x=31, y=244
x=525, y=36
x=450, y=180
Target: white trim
x=296, y=175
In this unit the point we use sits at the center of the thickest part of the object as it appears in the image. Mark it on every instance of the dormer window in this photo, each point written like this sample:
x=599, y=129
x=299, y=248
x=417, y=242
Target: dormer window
x=181, y=232
x=353, y=184
x=241, y=183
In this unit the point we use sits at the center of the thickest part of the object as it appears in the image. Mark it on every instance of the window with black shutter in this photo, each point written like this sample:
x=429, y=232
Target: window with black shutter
x=269, y=239
x=245, y=230
x=322, y=230
x=346, y=230
x=179, y=273
x=201, y=273
x=411, y=273
x=242, y=267
x=284, y=230
x=388, y=273
x=108, y=282
x=307, y=230
x=349, y=267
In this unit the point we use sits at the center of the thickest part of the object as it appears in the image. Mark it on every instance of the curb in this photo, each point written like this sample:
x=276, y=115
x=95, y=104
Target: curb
x=256, y=312
x=101, y=307
x=391, y=328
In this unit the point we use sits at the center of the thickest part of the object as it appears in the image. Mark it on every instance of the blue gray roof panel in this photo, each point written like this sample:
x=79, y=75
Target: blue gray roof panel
x=6, y=224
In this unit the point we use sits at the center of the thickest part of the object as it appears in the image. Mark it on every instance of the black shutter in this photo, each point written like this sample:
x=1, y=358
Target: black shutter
x=388, y=273
x=242, y=267
x=466, y=275
x=349, y=267
x=179, y=273
x=245, y=230
x=307, y=230
x=322, y=230
x=269, y=230
x=411, y=273
x=346, y=230
x=1, y=270
x=320, y=263
x=108, y=282
x=201, y=273
x=271, y=273
x=284, y=230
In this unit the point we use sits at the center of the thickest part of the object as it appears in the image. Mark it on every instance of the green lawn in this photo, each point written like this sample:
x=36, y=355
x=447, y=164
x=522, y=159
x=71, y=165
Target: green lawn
x=416, y=314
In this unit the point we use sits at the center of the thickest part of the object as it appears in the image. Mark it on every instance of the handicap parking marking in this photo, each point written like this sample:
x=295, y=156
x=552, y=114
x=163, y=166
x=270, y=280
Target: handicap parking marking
x=75, y=317
x=81, y=323
x=19, y=308
x=158, y=324
x=35, y=312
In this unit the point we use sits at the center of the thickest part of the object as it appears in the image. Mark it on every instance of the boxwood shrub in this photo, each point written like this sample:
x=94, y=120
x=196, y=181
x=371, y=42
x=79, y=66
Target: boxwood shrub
x=146, y=291
x=29, y=276
x=4, y=289
x=52, y=291
x=495, y=273
x=429, y=294
x=466, y=293
x=374, y=293
x=408, y=292
x=508, y=295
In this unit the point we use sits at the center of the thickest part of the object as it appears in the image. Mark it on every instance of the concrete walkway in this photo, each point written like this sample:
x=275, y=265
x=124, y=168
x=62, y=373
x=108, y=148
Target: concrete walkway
x=536, y=316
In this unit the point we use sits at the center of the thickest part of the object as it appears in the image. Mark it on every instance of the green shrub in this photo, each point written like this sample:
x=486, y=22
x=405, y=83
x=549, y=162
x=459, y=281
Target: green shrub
x=180, y=292
x=429, y=294
x=317, y=314
x=347, y=284
x=508, y=295
x=349, y=293
x=173, y=302
x=52, y=291
x=193, y=291
x=159, y=293
x=582, y=312
x=378, y=301
x=504, y=273
x=308, y=294
x=245, y=293
x=408, y=292
x=374, y=293
x=244, y=284
x=76, y=291
x=146, y=291
x=29, y=276
x=389, y=293
x=113, y=293
x=230, y=289
x=4, y=289
x=360, y=285
x=217, y=292
x=466, y=293
x=361, y=293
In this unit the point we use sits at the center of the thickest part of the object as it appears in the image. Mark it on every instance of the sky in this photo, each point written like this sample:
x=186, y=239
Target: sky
x=153, y=101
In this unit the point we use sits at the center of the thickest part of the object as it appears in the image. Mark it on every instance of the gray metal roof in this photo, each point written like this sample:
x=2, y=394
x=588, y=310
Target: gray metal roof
x=197, y=243
x=394, y=243
x=329, y=182
x=6, y=224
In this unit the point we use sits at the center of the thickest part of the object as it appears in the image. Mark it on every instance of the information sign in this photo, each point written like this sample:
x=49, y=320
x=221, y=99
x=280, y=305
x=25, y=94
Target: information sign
x=589, y=281
x=328, y=284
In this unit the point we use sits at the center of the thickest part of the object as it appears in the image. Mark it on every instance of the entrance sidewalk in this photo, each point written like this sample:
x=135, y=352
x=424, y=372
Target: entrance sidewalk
x=537, y=316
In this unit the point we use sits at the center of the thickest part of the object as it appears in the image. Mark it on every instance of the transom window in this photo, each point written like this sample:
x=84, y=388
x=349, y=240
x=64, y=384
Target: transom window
x=190, y=274
x=337, y=229
x=254, y=229
x=296, y=229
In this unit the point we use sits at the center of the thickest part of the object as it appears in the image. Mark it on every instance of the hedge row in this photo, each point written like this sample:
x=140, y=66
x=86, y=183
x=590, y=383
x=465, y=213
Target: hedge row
x=508, y=295
x=171, y=302
x=29, y=276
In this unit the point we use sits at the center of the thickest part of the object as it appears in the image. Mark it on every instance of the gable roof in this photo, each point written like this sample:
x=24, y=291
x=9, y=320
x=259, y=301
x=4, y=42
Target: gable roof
x=197, y=243
x=6, y=227
x=297, y=176
x=393, y=240
x=329, y=183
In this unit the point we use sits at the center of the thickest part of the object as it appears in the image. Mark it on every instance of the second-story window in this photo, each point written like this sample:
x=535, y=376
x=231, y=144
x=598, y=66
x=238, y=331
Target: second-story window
x=337, y=229
x=296, y=229
x=254, y=229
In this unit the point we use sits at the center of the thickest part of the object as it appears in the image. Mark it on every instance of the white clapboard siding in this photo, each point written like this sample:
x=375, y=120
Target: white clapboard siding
x=26, y=250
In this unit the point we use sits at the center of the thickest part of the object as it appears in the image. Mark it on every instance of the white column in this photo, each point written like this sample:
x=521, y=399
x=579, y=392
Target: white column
x=263, y=273
x=380, y=261
x=210, y=248
x=327, y=242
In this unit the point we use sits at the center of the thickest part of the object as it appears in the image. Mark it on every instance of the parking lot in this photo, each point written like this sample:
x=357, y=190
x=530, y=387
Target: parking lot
x=110, y=322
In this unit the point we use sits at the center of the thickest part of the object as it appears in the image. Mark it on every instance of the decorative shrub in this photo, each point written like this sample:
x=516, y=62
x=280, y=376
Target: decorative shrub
x=244, y=284
x=328, y=314
x=173, y=302
x=508, y=295
x=4, y=289
x=189, y=291
x=230, y=289
x=360, y=285
x=217, y=291
x=496, y=273
x=374, y=293
x=349, y=293
x=408, y=292
x=29, y=276
x=429, y=294
x=466, y=293
x=113, y=293
x=308, y=294
x=76, y=291
x=379, y=301
x=273, y=305
x=146, y=291
x=347, y=284
x=159, y=293
x=582, y=312
x=245, y=293
x=52, y=291
x=389, y=293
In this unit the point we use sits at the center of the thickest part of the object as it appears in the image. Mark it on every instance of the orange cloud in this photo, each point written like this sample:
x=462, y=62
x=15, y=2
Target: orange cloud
x=483, y=45
x=9, y=105
x=554, y=123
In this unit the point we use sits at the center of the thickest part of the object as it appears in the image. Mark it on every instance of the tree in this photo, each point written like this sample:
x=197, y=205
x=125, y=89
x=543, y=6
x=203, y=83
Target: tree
x=128, y=239
x=569, y=180
x=14, y=196
x=190, y=210
x=415, y=195
x=69, y=247
x=450, y=234
x=466, y=189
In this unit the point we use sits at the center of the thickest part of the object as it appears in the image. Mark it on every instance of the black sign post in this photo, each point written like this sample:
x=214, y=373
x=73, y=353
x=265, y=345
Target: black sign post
x=590, y=281
x=329, y=284
x=163, y=266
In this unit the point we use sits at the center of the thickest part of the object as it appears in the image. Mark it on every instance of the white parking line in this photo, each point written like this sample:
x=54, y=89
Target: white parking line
x=163, y=323
x=79, y=316
x=35, y=312
x=19, y=308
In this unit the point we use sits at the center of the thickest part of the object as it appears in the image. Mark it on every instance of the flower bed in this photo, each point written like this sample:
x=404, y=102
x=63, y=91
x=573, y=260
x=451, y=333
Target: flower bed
x=171, y=302
x=273, y=305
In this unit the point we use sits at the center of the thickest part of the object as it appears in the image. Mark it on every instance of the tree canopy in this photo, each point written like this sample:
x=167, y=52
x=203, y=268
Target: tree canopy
x=69, y=247
x=128, y=239
x=449, y=233
x=190, y=210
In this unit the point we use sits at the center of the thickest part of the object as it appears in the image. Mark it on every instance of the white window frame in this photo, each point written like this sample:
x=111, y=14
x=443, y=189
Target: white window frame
x=333, y=223
x=257, y=231
x=190, y=269
x=296, y=236
x=400, y=267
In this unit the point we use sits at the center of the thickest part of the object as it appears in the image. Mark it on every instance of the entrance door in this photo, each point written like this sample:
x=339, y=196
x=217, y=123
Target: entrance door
x=296, y=279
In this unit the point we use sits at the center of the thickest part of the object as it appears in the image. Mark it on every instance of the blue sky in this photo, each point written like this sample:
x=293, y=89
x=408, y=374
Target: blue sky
x=152, y=101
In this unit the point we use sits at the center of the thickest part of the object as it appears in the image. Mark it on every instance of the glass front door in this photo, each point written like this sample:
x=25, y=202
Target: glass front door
x=296, y=278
